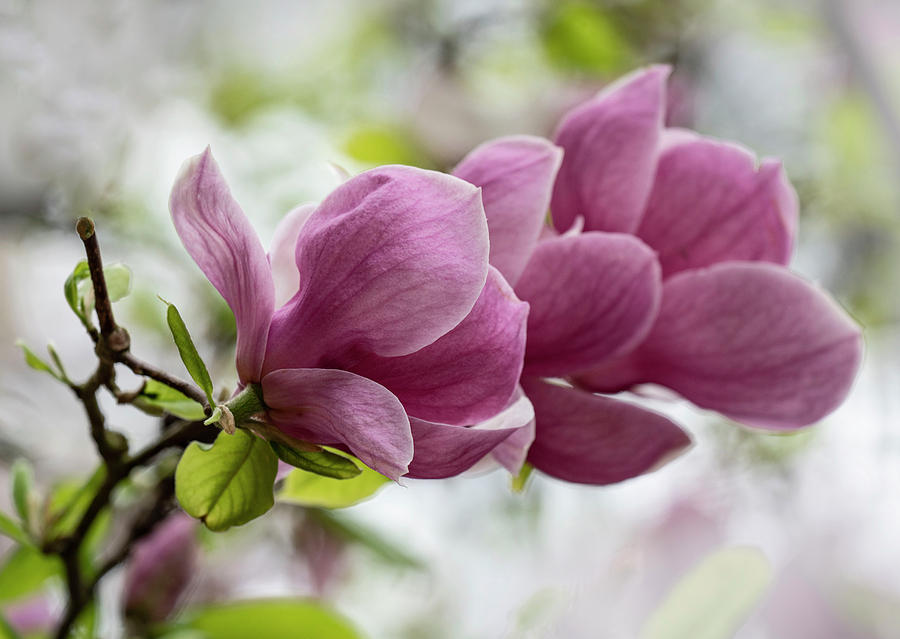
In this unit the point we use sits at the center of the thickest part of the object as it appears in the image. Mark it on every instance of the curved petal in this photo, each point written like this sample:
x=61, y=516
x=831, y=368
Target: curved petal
x=390, y=261
x=467, y=375
x=754, y=342
x=281, y=253
x=592, y=296
x=333, y=407
x=512, y=451
x=516, y=177
x=610, y=145
x=219, y=237
x=711, y=202
x=444, y=451
x=591, y=439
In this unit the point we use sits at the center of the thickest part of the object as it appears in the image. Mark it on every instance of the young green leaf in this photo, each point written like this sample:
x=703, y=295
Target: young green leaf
x=22, y=488
x=271, y=619
x=68, y=501
x=26, y=570
x=80, y=273
x=714, y=598
x=10, y=528
x=229, y=483
x=157, y=398
x=79, y=288
x=308, y=489
x=189, y=355
x=36, y=362
x=320, y=462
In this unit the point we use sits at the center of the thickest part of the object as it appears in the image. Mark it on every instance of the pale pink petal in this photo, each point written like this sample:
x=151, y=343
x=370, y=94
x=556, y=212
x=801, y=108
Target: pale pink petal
x=282, y=253
x=219, y=237
x=711, y=202
x=516, y=177
x=390, y=261
x=610, y=145
x=591, y=439
x=467, y=375
x=754, y=342
x=592, y=296
x=334, y=407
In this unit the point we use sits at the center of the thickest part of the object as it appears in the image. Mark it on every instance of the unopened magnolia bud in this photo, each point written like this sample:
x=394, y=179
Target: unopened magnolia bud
x=160, y=570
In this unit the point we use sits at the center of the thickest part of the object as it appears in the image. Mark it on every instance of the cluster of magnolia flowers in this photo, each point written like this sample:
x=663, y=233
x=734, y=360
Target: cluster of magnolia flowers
x=425, y=322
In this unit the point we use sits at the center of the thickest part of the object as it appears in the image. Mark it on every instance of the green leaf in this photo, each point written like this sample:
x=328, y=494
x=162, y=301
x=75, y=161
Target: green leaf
x=271, y=619
x=579, y=36
x=157, y=398
x=308, y=489
x=354, y=532
x=79, y=288
x=80, y=273
x=68, y=501
x=714, y=598
x=189, y=355
x=229, y=483
x=118, y=281
x=11, y=528
x=25, y=571
x=36, y=362
x=320, y=462
x=22, y=489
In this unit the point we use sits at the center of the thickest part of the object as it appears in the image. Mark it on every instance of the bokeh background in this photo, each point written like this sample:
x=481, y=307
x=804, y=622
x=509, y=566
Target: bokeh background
x=100, y=102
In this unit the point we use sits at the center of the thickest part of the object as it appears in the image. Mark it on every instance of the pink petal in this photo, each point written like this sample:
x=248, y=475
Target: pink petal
x=516, y=176
x=467, y=375
x=592, y=296
x=512, y=451
x=219, y=237
x=754, y=342
x=610, y=145
x=446, y=451
x=334, y=407
x=711, y=203
x=442, y=450
x=282, y=253
x=591, y=439
x=390, y=261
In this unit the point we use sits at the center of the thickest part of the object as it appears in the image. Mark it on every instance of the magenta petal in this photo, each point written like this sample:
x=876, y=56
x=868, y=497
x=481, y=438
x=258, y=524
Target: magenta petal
x=445, y=451
x=442, y=450
x=282, y=253
x=711, y=203
x=470, y=373
x=334, y=407
x=390, y=261
x=592, y=296
x=591, y=439
x=754, y=342
x=516, y=176
x=219, y=237
x=610, y=145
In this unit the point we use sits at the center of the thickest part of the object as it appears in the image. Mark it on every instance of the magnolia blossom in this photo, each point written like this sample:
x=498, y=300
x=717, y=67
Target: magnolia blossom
x=375, y=319
x=665, y=264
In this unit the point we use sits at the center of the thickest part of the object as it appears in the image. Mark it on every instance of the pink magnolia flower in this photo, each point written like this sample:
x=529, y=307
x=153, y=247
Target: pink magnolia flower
x=375, y=309
x=677, y=278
